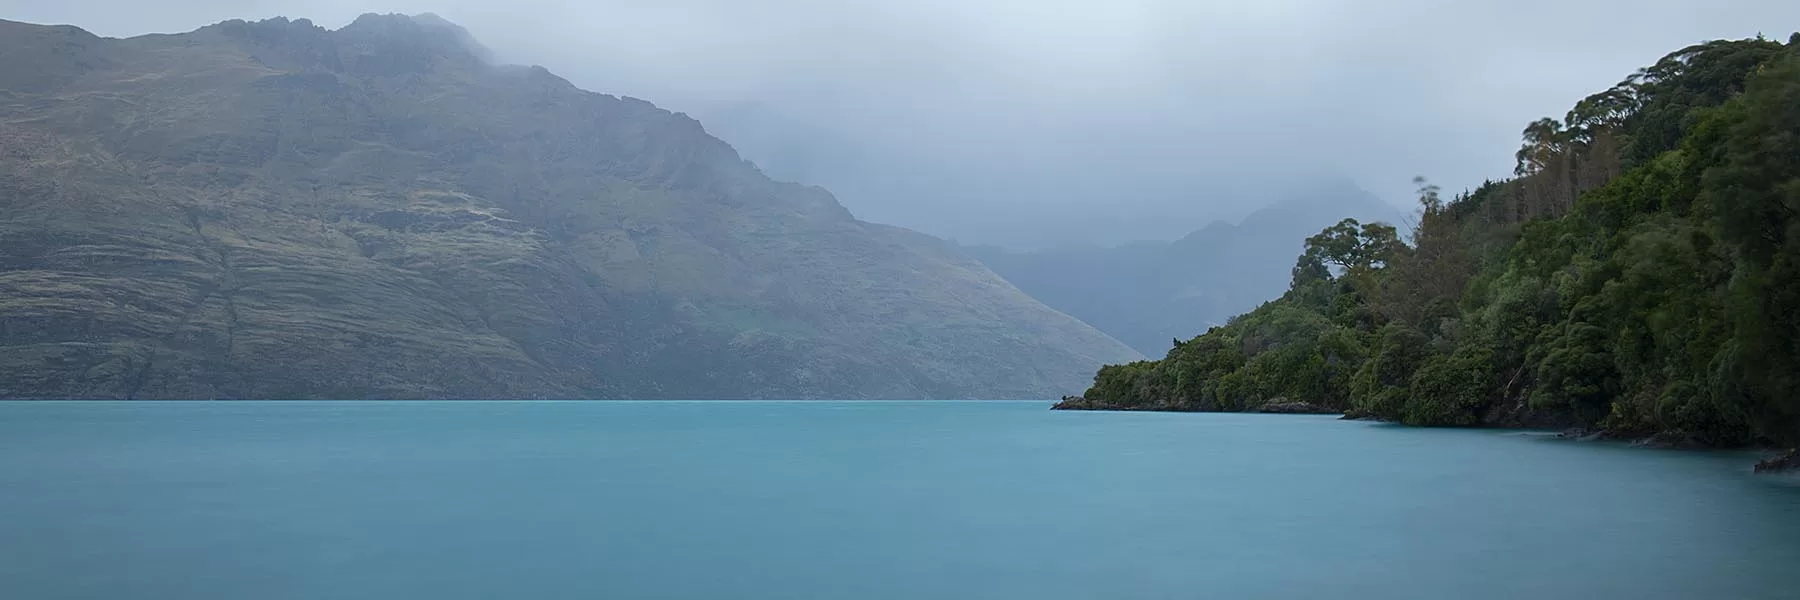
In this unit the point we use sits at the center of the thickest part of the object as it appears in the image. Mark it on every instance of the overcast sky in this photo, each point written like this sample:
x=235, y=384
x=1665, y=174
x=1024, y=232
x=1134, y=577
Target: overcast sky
x=1029, y=122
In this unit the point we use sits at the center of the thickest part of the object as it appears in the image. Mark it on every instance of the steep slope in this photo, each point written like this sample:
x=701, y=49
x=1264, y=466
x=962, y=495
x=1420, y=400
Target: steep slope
x=1148, y=293
x=1639, y=278
x=275, y=210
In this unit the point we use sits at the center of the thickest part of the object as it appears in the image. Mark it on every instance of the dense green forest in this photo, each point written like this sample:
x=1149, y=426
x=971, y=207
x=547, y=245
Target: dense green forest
x=1640, y=275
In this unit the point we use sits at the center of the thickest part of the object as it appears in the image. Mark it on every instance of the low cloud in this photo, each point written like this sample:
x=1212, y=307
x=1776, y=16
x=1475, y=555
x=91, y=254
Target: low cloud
x=1046, y=121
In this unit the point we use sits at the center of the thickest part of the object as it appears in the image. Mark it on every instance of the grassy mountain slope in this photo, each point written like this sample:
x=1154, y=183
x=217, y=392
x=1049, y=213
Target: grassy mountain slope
x=275, y=210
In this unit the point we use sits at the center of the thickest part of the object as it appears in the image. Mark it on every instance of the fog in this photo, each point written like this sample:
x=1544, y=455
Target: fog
x=1038, y=122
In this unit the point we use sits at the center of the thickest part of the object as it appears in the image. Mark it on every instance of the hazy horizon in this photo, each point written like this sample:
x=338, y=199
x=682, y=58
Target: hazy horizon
x=1033, y=124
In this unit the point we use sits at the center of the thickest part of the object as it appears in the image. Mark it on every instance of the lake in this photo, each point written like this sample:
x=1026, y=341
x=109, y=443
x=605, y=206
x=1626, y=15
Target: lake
x=865, y=500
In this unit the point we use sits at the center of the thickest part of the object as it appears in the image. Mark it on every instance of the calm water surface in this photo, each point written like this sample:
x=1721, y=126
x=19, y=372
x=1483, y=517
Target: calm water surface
x=199, y=501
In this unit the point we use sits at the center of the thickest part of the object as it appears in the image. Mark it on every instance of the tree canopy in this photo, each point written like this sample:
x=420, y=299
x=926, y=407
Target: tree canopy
x=1640, y=273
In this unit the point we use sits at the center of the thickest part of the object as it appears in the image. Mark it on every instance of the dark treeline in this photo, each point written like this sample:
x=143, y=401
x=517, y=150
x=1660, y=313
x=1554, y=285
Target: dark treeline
x=1640, y=274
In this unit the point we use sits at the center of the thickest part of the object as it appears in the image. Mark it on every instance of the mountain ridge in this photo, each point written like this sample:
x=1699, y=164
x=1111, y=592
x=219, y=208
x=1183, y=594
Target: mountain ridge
x=273, y=209
x=1148, y=293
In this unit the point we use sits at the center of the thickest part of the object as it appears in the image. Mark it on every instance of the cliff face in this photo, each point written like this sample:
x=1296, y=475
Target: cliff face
x=275, y=210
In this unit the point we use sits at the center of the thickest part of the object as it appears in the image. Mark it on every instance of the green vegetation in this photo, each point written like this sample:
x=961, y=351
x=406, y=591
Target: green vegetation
x=275, y=210
x=1640, y=274
x=1145, y=293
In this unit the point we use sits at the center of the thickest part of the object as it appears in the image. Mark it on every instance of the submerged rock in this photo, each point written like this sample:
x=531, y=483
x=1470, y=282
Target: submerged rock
x=1782, y=463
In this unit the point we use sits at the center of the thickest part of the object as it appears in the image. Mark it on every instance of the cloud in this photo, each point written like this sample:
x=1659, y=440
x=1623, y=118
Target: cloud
x=1030, y=122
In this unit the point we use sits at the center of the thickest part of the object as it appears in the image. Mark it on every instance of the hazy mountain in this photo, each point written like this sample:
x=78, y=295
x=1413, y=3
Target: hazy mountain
x=1063, y=192
x=275, y=210
x=1149, y=293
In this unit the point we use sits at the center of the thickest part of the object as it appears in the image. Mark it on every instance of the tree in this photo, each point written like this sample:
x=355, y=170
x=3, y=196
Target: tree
x=1350, y=247
x=1429, y=202
x=1641, y=273
x=1544, y=144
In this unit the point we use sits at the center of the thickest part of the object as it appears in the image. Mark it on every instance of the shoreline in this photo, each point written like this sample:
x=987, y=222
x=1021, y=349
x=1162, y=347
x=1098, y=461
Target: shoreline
x=1776, y=460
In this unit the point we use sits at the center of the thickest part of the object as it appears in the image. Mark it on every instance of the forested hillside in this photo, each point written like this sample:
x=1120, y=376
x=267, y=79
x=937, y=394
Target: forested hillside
x=1147, y=293
x=1640, y=274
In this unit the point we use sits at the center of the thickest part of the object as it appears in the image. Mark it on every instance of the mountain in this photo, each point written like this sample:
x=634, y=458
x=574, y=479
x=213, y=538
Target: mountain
x=276, y=210
x=1638, y=278
x=1149, y=293
x=1013, y=193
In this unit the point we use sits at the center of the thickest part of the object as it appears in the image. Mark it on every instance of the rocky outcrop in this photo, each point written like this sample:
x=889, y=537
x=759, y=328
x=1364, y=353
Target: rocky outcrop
x=1074, y=403
x=1083, y=403
x=1275, y=406
x=1785, y=462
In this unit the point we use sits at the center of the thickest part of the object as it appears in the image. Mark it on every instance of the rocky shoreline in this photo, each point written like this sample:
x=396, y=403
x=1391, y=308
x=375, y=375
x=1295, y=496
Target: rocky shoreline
x=1082, y=403
x=1778, y=461
x=1665, y=440
x=1785, y=461
x=1276, y=406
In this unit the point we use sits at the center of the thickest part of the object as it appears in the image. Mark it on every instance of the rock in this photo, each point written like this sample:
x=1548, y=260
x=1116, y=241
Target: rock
x=1583, y=434
x=1782, y=463
x=1286, y=407
x=1084, y=403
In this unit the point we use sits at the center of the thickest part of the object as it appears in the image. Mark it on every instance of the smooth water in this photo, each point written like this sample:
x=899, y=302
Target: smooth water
x=843, y=500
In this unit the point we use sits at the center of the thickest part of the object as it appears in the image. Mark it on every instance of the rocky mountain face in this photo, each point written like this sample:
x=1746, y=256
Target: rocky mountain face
x=277, y=210
x=1148, y=294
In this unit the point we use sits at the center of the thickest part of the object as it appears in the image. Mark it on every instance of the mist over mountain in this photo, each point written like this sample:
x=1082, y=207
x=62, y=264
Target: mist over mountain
x=1149, y=293
x=1060, y=194
x=273, y=209
x=1037, y=124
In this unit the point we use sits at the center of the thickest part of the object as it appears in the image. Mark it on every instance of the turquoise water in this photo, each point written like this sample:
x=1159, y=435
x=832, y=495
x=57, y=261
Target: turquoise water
x=200, y=501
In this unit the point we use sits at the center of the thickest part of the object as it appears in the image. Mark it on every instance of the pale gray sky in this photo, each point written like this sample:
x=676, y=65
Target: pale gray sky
x=1033, y=121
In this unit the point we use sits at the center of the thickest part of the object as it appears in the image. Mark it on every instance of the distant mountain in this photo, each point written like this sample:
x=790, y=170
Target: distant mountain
x=1013, y=193
x=276, y=210
x=1149, y=293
